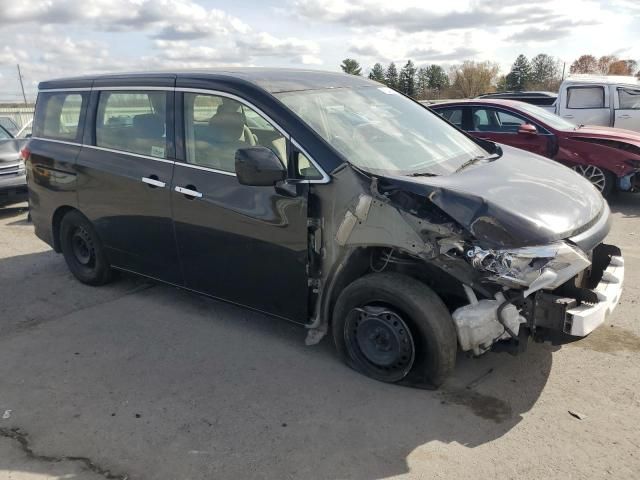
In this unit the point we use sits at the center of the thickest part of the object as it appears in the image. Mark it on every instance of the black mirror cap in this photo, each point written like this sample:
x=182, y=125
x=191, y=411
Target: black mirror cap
x=259, y=167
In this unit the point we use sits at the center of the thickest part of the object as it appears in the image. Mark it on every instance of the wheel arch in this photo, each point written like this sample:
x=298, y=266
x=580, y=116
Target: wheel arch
x=56, y=220
x=356, y=262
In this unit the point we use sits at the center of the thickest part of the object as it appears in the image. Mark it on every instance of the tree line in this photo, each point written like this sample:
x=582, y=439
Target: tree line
x=471, y=78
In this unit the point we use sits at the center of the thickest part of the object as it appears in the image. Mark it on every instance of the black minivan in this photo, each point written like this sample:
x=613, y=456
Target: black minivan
x=325, y=199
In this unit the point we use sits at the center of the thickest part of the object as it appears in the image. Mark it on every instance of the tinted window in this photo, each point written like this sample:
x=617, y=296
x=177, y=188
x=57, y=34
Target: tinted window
x=133, y=122
x=215, y=127
x=58, y=115
x=494, y=120
x=585, y=97
x=629, y=99
x=453, y=115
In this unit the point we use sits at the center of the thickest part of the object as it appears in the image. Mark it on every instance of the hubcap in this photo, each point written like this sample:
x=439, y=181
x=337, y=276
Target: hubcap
x=594, y=174
x=82, y=247
x=380, y=340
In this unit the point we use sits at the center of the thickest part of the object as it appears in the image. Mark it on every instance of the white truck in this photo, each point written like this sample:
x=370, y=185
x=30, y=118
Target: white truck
x=609, y=101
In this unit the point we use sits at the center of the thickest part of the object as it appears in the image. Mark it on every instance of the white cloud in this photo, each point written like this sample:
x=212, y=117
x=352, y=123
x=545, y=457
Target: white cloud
x=52, y=38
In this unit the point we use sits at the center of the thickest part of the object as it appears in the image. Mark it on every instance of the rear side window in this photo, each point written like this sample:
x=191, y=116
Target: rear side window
x=629, y=99
x=585, y=97
x=134, y=122
x=453, y=115
x=59, y=115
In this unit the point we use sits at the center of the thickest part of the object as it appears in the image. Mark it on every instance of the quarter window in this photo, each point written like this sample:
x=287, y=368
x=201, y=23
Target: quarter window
x=58, y=115
x=629, y=99
x=216, y=127
x=585, y=97
x=133, y=122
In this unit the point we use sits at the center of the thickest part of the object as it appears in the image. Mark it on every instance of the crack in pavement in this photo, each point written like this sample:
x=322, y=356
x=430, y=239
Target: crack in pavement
x=22, y=439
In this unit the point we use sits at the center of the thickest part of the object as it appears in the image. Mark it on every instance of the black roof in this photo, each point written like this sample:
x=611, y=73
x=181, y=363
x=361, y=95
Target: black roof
x=273, y=80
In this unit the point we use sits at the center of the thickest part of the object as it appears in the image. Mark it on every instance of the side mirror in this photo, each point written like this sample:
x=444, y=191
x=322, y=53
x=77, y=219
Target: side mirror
x=259, y=167
x=527, y=129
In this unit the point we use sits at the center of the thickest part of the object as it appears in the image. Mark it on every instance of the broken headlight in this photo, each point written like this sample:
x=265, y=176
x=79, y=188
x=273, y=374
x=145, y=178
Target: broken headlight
x=551, y=265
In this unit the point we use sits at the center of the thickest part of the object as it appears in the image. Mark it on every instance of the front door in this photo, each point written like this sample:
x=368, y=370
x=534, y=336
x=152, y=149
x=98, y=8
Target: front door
x=124, y=176
x=243, y=244
x=627, y=107
x=502, y=126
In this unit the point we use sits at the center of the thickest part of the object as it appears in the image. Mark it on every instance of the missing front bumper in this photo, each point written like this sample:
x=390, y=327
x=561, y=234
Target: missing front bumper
x=555, y=314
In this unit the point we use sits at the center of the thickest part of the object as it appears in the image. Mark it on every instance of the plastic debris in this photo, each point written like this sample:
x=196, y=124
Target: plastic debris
x=6, y=414
x=578, y=415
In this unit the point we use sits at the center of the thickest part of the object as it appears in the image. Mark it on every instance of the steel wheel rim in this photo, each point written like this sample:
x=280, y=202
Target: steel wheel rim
x=380, y=340
x=594, y=174
x=82, y=246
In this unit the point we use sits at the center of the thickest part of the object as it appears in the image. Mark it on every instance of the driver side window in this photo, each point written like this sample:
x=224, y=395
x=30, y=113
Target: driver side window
x=216, y=126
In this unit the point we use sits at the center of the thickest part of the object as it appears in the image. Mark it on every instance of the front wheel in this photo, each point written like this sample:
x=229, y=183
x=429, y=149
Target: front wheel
x=395, y=329
x=83, y=250
x=599, y=178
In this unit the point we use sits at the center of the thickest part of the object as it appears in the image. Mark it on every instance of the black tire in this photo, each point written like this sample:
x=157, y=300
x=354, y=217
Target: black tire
x=83, y=250
x=603, y=180
x=371, y=306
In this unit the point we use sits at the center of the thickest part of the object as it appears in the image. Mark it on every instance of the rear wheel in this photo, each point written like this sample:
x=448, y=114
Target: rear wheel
x=395, y=329
x=83, y=250
x=599, y=178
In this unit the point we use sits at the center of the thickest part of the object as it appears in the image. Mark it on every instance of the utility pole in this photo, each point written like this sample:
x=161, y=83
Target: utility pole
x=24, y=97
x=564, y=65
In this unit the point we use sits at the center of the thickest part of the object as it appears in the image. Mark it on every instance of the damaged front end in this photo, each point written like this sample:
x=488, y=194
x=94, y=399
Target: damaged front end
x=505, y=275
x=559, y=292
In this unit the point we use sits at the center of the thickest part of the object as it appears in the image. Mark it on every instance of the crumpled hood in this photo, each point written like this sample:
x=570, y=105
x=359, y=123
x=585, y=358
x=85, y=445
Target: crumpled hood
x=10, y=150
x=617, y=134
x=520, y=199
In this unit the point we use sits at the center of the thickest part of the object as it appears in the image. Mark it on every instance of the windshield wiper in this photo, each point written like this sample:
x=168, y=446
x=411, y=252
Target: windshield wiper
x=470, y=162
x=422, y=174
x=473, y=160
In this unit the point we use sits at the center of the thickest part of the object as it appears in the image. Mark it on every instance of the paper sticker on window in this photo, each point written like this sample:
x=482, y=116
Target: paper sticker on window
x=388, y=91
x=157, y=151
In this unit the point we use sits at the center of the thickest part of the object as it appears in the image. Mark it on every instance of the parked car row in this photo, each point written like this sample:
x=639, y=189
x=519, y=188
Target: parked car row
x=331, y=201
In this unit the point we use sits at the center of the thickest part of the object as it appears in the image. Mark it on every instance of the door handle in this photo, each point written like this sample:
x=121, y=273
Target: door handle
x=153, y=181
x=568, y=116
x=624, y=116
x=189, y=192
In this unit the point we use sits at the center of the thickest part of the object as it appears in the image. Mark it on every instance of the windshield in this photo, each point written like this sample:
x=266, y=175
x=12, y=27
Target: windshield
x=546, y=116
x=379, y=130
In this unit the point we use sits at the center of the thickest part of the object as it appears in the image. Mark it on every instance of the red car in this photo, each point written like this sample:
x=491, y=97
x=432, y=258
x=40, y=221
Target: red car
x=608, y=157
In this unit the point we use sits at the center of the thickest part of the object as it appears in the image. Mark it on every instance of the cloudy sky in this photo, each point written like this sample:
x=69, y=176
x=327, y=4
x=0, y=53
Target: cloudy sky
x=52, y=38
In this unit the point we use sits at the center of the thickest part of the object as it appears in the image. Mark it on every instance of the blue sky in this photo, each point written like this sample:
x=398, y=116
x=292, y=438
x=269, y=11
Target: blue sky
x=52, y=38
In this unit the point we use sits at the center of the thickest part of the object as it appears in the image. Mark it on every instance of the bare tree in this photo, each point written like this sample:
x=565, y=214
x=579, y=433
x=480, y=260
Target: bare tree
x=585, y=64
x=470, y=79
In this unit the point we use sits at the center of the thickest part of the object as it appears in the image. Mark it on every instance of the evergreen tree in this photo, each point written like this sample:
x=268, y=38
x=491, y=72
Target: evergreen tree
x=438, y=78
x=422, y=83
x=407, y=79
x=391, y=76
x=377, y=73
x=520, y=74
x=351, y=66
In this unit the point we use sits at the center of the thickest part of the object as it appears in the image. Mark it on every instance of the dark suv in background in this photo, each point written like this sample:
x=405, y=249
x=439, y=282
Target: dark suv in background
x=327, y=200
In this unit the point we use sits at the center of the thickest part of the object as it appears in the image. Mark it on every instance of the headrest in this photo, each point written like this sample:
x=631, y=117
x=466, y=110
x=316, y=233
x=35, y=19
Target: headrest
x=226, y=126
x=148, y=125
